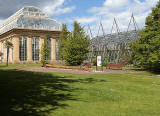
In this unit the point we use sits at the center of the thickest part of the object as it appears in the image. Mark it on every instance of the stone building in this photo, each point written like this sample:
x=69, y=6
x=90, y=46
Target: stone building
x=26, y=29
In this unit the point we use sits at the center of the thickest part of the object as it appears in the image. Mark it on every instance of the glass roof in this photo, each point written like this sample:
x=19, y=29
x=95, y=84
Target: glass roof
x=114, y=40
x=30, y=18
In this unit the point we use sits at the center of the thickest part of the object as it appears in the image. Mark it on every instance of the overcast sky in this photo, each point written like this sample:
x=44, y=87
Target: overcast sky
x=85, y=11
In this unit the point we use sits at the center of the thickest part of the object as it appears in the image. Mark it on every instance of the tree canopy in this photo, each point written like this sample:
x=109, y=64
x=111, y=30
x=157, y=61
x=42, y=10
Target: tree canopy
x=146, y=49
x=45, y=52
x=62, y=41
x=75, y=45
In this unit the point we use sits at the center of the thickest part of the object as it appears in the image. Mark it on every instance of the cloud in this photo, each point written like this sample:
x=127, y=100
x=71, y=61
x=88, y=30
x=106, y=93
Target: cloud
x=116, y=5
x=86, y=20
x=50, y=7
x=122, y=11
x=1, y=22
x=82, y=20
x=52, y=12
x=57, y=8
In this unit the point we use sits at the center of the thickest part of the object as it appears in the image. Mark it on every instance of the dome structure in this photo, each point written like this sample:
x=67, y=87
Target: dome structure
x=30, y=18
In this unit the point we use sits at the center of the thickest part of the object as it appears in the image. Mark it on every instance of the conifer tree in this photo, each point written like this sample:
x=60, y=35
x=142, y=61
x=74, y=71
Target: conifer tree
x=44, y=53
x=146, y=49
x=77, y=46
x=62, y=41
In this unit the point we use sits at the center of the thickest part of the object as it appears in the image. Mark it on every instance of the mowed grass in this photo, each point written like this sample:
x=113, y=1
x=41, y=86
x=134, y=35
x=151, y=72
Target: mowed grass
x=60, y=94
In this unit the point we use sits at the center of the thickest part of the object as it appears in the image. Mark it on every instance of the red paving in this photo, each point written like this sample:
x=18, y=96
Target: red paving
x=106, y=71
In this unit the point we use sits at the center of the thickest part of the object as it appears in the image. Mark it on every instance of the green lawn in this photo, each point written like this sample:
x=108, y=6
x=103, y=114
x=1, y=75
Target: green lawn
x=61, y=94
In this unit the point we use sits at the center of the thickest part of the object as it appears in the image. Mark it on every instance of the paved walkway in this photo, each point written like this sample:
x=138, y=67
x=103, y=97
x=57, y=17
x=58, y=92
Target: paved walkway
x=42, y=69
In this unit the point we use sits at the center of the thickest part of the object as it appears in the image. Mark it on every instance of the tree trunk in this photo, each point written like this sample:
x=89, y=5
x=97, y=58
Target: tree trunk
x=7, y=55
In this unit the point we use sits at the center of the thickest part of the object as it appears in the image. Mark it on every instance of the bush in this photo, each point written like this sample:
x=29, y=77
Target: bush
x=94, y=61
x=104, y=63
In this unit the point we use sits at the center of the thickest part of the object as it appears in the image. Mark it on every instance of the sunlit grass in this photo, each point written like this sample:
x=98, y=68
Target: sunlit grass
x=60, y=94
x=17, y=66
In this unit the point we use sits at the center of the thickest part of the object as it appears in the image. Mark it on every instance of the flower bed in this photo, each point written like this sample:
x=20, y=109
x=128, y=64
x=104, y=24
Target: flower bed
x=68, y=67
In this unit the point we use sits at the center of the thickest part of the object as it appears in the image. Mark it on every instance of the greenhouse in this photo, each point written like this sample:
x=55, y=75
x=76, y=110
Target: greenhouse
x=26, y=29
x=30, y=17
x=112, y=47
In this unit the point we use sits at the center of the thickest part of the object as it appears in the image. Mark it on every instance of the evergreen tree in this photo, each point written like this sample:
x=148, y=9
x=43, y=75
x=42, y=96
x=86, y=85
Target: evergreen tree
x=8, y=45
x=62, y=41
x=1, y=54
x=45, y=52
x=146, y=49
x=77, y=46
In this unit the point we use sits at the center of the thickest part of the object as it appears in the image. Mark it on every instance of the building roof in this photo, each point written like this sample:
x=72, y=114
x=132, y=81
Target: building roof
x=30, y=17
x=111, y=40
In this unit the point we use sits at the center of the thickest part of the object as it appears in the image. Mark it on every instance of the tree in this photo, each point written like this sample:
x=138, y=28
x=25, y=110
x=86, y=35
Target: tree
x=62, y=41
x=45, y=52
x=8, y=45
x=146, y=49
x=1, y=54
x=77, y=46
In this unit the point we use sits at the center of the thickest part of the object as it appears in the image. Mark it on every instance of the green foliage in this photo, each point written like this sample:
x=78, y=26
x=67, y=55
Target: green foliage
x=76, y=46
x=1, y=54
x=8, y=44
x=44, y=52
x=62, y=41
x=94, y=61
x=104, y=63
x=146, y=49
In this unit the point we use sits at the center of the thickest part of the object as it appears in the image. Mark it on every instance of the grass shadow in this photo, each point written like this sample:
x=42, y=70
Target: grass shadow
x=25, y=93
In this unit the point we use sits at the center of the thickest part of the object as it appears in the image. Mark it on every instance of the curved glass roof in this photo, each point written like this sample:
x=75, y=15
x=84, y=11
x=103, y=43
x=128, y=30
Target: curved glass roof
x=30, y=18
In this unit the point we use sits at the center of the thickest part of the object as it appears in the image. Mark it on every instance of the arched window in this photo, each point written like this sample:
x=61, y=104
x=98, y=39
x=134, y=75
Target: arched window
x=49, y=47
x=22, y=48
x=35, y=49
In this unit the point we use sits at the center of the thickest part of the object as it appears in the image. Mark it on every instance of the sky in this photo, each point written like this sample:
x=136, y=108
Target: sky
x=86, y=12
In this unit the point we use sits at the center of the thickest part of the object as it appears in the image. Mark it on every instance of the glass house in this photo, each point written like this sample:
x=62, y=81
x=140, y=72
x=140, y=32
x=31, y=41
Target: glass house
x=30, y=17
x=26, y=29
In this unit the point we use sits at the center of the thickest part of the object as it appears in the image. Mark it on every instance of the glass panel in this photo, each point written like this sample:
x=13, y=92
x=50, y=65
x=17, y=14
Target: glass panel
x=30, y=17
x=37, y=23
x=35, y=49
x=22, y=48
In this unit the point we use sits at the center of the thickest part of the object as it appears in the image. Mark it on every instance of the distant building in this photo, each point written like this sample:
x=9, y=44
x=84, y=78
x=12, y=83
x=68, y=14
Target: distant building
x=112, y=47
x=26, y=29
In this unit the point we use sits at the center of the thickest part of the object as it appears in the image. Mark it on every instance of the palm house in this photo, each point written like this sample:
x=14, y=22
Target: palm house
x=26, y=30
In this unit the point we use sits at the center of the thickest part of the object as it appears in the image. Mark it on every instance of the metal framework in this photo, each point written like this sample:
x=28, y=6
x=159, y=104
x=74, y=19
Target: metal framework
x=113, y=47
x=29, y=17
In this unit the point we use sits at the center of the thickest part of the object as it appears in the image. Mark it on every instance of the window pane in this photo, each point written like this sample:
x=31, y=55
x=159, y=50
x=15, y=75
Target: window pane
x=22, y=48
x=35, y=48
